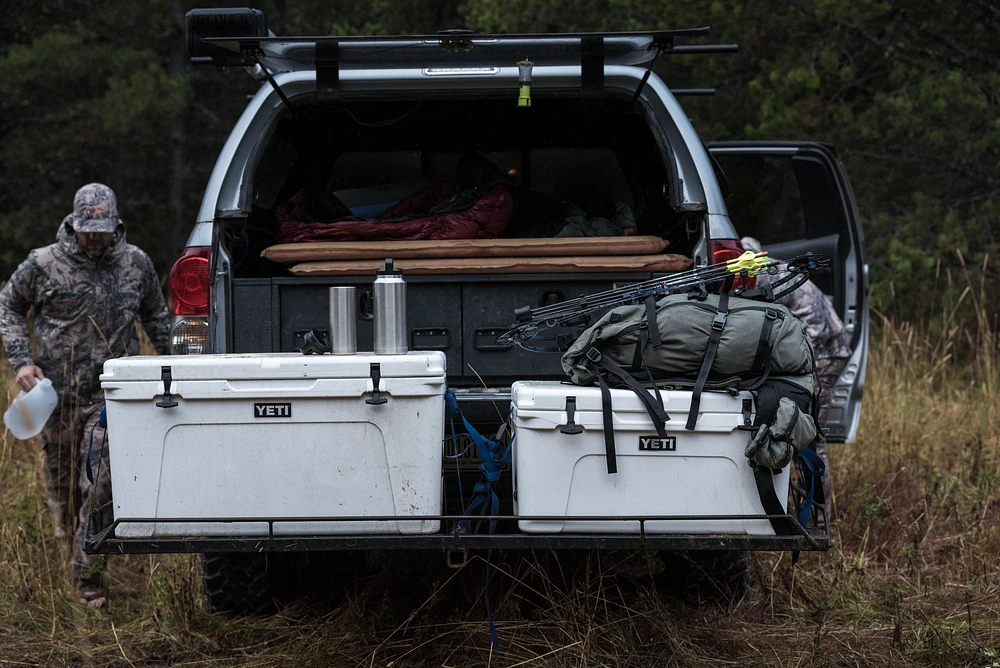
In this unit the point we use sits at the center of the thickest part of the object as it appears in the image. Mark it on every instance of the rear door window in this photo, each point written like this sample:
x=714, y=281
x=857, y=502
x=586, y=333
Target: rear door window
x=795, y=197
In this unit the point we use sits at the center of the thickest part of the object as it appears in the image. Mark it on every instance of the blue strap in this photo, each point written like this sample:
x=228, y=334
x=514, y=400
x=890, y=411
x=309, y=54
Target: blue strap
x=816, y=467
x=102, y=422
x=493, y=460
x=452, y=409
x=484, y=497
x=494, y=636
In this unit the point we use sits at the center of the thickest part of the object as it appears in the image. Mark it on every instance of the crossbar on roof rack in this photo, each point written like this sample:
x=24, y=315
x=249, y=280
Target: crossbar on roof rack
x=463, y=35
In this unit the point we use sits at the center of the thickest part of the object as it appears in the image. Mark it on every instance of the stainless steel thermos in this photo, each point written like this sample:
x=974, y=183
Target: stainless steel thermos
x=343, y=326
x=390, y=311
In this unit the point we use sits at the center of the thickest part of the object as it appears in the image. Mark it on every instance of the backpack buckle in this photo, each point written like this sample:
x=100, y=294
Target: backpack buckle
x=594, y=355
x=719, y=321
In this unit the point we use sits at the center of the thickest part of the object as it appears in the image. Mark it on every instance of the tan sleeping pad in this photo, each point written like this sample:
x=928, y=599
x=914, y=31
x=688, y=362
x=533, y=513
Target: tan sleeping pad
x=464, y=248
x=501, y=265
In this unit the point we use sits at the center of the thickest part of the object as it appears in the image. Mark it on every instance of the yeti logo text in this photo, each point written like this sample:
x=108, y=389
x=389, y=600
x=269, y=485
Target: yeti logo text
x=272, y=410
x=668, y=444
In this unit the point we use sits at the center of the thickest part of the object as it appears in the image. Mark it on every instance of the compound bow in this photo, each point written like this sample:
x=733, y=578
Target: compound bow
x=577, y=312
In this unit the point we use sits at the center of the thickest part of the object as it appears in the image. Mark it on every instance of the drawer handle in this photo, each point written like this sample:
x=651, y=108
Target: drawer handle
x=430, y=338
x=485, y=340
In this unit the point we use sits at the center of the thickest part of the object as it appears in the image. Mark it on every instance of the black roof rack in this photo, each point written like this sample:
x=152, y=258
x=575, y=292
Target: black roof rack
x=240, y=37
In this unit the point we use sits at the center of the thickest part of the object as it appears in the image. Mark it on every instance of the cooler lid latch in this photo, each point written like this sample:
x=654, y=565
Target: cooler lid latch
x=167, y=401
x=747, y=416
x=571, y=427
x=376, y=375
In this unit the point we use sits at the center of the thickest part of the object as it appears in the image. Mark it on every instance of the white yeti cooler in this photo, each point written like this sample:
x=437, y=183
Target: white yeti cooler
x=273, y=436
x=700, y=472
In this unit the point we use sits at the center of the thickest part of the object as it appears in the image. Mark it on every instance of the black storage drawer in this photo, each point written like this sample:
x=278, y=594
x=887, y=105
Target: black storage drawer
x=488, y=309
x=434, y=315
x=459, y=315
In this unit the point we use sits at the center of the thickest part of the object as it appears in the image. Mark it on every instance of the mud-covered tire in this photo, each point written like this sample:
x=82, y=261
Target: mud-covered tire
x=247, y=582
x=718, y=576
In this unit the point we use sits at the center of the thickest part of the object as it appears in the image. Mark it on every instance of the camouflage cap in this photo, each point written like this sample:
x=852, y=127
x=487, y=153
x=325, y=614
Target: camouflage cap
x=95, y=209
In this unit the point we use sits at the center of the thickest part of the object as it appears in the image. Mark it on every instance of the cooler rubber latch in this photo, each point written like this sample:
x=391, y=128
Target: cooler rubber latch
x=376, y=375
x=571, y=427
x=747, y=416
x=166, y=402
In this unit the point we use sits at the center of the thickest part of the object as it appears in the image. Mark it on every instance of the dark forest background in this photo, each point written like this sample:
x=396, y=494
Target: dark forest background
x=908, y=90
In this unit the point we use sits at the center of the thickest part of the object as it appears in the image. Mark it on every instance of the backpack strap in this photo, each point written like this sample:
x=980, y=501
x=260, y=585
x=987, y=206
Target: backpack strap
x=638, y=360
x=769, y=501
x=609, y=426
x=718, y=323
x=639, y=365
x=654, y=329
x=762, y=358
x=654, y=408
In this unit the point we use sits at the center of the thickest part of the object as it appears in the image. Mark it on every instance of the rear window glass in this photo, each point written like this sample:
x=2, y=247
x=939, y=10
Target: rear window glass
x=764, y=199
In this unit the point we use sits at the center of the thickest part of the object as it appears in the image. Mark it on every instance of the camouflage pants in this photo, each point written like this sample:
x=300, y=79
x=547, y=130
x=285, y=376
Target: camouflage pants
x=65, y=442
x=827, y=372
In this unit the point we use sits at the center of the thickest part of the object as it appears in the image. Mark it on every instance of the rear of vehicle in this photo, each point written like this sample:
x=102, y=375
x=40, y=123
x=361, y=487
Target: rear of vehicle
x=371, y=121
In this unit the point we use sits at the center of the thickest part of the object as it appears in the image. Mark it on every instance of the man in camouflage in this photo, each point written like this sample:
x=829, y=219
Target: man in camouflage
x=87, y=290
x=827, y=333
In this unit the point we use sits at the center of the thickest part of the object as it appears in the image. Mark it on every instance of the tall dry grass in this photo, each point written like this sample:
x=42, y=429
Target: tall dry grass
x=912, y=578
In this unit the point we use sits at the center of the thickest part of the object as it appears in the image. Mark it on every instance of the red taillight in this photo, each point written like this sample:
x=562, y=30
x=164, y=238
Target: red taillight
x=189, y=284
x=723, y=250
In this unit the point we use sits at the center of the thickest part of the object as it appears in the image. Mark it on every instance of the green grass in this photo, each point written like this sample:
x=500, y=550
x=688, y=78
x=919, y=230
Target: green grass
x=912, y=578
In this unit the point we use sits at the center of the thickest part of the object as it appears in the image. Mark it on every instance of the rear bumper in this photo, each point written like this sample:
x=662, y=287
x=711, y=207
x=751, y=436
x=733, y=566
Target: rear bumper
x=505, y=536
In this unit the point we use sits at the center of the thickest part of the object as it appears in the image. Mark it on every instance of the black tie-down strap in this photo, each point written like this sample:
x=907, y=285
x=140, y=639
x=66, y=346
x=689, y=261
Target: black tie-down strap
x=649, y=332
x=328, y=71
x=609, y=426
x=769, y=501
x=762, y=358
x=767, y=400
x=654, y=408
x=651, y=324
x=592, y=72
x=718, y=324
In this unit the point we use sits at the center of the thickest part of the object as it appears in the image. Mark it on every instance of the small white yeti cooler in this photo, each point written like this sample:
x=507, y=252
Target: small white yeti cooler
x=279, y=435
x=700, y=472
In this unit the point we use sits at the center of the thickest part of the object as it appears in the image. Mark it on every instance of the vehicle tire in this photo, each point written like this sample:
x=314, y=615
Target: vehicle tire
x=718, y=576
x=247, y=582
x=331, y=576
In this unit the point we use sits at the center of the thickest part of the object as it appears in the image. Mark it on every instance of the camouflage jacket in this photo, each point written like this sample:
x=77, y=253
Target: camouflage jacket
x=808, y=303
x=84, y=311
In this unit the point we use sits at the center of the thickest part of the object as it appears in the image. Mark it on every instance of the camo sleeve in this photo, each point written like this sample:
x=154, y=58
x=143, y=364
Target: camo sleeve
x=16, y=299
x=153, y=309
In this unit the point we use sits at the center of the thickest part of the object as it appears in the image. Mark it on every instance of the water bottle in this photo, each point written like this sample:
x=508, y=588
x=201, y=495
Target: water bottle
x=29, y=411
x=343, y=318
x=390, y=311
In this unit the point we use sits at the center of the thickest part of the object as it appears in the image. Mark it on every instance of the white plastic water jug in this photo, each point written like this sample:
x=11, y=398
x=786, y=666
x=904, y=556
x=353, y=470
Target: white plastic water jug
x=29, y=411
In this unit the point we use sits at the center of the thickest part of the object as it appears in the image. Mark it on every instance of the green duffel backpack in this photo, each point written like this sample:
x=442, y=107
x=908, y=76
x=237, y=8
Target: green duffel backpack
x=704, y=338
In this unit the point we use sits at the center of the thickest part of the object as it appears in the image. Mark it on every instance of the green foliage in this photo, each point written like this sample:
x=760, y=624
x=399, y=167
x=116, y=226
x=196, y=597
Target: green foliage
x=906, y=90
x=81, y=105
